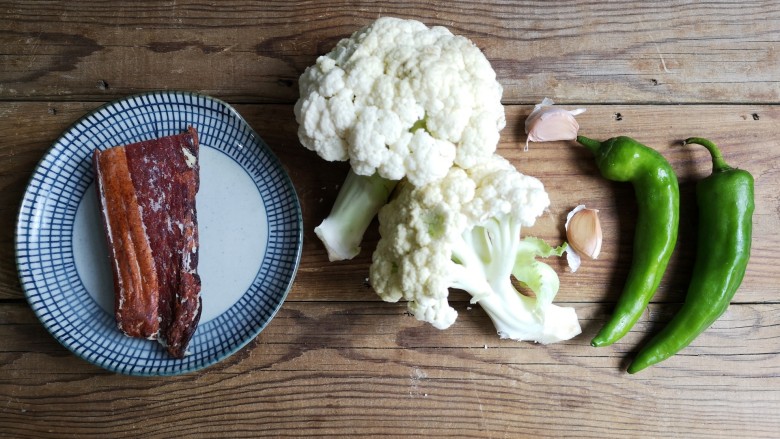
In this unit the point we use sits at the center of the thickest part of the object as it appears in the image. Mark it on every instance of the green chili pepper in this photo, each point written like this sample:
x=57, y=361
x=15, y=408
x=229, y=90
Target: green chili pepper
x=726, y=205
x=658, y=197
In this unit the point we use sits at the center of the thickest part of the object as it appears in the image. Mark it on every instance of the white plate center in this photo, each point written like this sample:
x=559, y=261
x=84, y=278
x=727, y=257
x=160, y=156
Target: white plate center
x=233, y=232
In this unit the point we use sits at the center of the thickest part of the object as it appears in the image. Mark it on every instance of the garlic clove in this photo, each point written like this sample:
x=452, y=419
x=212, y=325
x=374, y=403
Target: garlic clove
x=583, y=231
x=548, y=123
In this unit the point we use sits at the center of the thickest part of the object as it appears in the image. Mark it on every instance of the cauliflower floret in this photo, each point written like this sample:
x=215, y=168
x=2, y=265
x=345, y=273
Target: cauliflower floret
x=398, y=100
x=398, y=96
x=463, y=231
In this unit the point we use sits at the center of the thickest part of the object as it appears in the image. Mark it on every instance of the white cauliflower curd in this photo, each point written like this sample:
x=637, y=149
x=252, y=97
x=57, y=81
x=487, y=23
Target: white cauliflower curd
x=403, y=100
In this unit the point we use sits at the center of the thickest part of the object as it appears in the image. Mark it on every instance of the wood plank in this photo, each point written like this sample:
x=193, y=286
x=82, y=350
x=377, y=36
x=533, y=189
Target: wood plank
x=578, y=51
x=746, y=133
x=366, y=368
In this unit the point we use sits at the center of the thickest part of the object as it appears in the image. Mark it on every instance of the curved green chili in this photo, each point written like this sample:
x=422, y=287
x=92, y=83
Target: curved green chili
x=726, y=206
x=658, y=196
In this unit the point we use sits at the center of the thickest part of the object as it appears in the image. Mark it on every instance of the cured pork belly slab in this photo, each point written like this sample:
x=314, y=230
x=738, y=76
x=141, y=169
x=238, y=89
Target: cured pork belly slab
x=146, y=193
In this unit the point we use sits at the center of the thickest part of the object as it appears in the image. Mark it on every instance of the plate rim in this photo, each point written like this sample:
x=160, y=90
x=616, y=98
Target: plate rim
x=271, y=155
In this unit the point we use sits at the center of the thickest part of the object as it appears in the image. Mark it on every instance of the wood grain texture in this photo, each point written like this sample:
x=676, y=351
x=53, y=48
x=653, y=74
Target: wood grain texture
x=575, y=51
x=361, y=368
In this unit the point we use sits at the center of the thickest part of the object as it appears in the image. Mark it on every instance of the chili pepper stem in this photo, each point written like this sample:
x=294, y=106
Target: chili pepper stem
x=592, y=145
x=718, y=163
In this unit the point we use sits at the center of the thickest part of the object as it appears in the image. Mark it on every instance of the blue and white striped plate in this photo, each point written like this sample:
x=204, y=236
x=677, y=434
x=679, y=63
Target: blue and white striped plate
x=249, y=223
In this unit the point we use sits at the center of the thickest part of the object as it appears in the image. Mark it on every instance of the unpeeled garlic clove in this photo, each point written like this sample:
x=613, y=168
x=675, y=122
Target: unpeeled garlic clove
x=548, y=123
x=583, y=231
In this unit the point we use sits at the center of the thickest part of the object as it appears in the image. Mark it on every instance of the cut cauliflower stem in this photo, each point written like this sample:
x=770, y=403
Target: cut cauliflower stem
x=398, y=100
x=464, y=232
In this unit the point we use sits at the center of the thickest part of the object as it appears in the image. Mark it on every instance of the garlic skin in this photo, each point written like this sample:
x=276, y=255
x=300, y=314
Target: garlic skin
x=548, y=123
x=583, y=232
x=573, y=259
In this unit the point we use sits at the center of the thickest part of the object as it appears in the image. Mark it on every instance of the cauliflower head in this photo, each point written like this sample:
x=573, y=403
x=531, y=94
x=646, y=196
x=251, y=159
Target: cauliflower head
x=401, y=99
x=463, y=232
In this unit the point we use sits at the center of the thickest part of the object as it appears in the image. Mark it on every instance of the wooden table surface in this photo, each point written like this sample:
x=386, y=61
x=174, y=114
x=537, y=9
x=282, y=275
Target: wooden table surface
x=336, y=360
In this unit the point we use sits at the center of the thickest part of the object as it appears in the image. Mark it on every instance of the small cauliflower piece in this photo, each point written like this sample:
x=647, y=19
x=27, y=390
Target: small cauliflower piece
x=464, y=232
x=399, y=100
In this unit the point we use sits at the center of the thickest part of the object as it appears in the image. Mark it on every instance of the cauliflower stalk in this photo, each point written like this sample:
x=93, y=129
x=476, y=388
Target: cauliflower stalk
x=463, y=232
x=399, y=100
